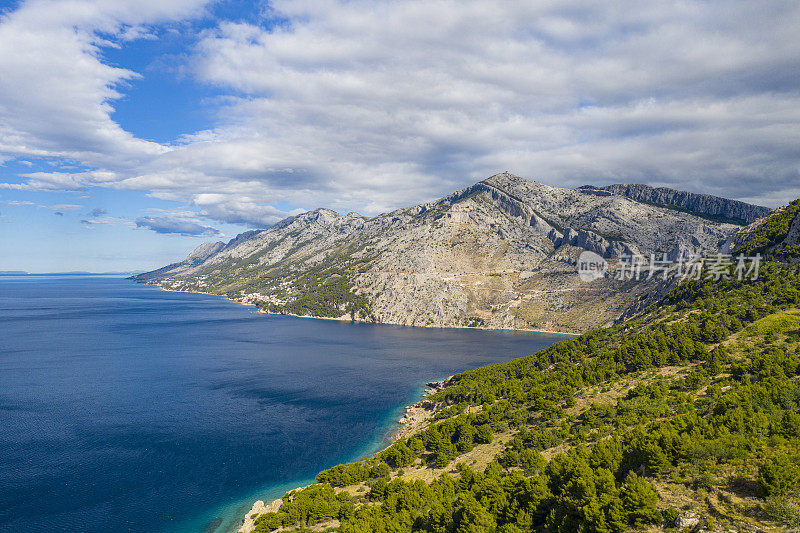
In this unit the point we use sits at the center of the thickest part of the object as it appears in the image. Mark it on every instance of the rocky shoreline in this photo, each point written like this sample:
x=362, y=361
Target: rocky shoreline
x=419, y=413
x=345, y=318
x=416, y=416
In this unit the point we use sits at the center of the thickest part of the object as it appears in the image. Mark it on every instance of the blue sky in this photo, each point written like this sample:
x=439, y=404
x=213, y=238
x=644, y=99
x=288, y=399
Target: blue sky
x=95, y=229
x=132, y=132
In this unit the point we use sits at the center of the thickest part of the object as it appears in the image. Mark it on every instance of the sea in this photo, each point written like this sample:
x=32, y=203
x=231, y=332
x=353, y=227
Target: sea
x=124, y=407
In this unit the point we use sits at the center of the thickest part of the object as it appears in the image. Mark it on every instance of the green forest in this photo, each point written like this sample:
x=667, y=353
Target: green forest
x=687, y=416
x=323, y=294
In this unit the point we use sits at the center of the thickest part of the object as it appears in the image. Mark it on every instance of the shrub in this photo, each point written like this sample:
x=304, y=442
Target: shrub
x=778, y=475
x=670, y=516
x=705, y=481
x=639, y=498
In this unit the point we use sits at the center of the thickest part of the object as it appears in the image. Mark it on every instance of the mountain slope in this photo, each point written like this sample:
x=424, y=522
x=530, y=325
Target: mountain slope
x=682, y=419
x=777, y=236
x=498, y=254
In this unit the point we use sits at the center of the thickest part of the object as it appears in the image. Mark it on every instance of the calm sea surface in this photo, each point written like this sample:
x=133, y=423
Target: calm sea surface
x=127, y=408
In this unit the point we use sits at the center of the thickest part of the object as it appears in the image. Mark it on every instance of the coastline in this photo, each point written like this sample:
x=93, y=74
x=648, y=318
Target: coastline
x=415, y=417
x=356, y=321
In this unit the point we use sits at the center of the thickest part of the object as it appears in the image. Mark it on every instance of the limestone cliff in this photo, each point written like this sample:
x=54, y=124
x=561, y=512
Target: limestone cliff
x=699, y=204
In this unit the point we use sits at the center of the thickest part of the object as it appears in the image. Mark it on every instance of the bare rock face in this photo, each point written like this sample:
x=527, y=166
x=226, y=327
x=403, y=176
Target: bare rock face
x=793, y=236
x=198, y=256
x=204, y=251
x=499, y=254
x=687, y=521
x=702, y=204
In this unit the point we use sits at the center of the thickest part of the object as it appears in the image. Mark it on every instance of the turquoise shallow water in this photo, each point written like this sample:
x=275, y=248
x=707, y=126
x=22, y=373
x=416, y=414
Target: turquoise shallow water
x=127, y=408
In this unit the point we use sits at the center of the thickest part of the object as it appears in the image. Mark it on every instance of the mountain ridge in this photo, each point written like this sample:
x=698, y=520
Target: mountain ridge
x=499, y=254
x=735, y=211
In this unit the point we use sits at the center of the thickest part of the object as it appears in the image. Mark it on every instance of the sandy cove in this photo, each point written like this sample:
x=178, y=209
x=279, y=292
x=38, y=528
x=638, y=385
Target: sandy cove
x=417, y=416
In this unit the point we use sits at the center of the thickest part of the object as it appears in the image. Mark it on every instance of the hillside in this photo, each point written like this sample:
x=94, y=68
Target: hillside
x=499, y=254
x=776, y=237
x=686, y=417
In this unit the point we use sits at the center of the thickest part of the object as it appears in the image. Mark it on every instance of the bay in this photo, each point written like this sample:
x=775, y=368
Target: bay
x=127, y=408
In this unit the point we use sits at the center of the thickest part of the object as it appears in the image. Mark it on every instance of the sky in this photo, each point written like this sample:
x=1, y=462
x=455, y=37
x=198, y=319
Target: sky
x=131, y=132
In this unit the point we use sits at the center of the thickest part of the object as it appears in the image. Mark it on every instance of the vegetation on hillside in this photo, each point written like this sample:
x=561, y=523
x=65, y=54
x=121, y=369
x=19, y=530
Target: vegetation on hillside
x=687, y=414
x=328, y=293
x=772, y=233
x=297, y=286
x=710, y=411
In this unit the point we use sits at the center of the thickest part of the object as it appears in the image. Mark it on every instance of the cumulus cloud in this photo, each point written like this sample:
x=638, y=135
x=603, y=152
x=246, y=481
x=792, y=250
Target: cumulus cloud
x=56, y=93
x=169, y=225
x=380, y=100
x=238, y=210
x=98, y=212
x=370, y=105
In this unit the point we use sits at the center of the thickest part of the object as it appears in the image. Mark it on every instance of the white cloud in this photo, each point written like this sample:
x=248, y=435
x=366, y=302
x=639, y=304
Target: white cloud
x=56, y=94
x=64, y=181
x=176, y=226
x=372, y=105
x=387, y=101
x=21, y=203
x=56, y=207
x=102, y=220
x=237, y=210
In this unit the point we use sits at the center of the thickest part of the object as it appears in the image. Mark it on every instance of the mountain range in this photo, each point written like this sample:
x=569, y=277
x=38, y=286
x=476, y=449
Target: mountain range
x=501, y=253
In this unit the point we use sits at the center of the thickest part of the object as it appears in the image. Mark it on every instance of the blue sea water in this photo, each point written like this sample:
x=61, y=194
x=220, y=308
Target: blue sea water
x=127, y=408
